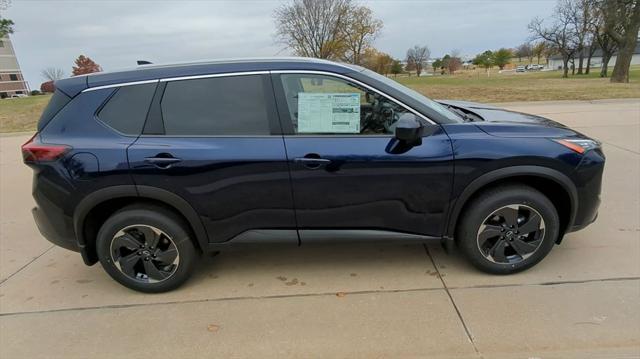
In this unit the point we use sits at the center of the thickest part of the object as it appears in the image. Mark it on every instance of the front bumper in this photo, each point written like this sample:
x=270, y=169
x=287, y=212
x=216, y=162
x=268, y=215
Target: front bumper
x=583, y=225
x=588, y=180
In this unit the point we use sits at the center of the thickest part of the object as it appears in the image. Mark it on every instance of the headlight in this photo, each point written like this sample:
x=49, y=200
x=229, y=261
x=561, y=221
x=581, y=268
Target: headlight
x=579, y=145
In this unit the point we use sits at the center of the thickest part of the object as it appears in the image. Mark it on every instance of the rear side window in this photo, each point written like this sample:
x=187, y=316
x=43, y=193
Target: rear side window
x=220, y=106
x=127, y=109
x=56, y=103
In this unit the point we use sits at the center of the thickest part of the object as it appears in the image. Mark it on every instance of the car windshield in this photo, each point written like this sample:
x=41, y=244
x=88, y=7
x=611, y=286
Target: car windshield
x=441, y=109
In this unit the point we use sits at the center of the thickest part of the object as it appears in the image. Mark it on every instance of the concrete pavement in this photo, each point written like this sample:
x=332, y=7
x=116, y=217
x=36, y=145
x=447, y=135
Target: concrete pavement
x=403, y=300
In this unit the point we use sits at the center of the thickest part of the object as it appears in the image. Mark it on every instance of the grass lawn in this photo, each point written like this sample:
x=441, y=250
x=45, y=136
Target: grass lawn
x=475, y=85
x=21, y=114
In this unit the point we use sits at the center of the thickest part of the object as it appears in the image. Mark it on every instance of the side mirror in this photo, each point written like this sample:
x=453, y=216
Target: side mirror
x=409, y=129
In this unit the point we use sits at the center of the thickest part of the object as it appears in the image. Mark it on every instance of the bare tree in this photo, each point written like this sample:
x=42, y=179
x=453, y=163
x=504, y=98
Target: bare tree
x=314, y=28
x=549, y=50
x=417, y=58
x=580, y=15
x=591, y=48
x=360, y=31
x=621, y=23
x=585, y=13
x=452, y=62
x=539, y=49
x=603, y=41
x=523, y=50
x=561, y=34
x=592, y=19
x=608, y=48
x=52, y=73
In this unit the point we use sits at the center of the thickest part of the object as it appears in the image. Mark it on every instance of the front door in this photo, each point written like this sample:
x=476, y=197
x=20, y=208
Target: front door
x=345, y=175
x=216, y=142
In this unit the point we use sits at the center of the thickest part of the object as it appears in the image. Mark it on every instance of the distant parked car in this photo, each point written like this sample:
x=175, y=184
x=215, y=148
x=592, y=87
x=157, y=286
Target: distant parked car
x=18, y=95
x=520, y=69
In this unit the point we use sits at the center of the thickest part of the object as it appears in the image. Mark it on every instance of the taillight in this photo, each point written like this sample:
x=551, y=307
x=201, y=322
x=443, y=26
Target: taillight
x=34, y=152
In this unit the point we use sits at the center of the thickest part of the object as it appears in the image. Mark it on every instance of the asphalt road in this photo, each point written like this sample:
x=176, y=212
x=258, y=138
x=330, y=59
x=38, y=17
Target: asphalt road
x=394, y=300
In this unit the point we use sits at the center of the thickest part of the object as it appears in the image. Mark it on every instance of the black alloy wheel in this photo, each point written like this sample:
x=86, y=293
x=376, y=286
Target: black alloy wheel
x=511, y=234
x=147, y=248
x=507, y=229
x=144, y=253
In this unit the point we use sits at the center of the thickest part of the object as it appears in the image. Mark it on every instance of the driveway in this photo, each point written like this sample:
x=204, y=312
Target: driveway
x=404, y=300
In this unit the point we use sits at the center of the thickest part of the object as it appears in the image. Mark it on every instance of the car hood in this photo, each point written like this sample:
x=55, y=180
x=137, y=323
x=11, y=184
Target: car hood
x=505, y=123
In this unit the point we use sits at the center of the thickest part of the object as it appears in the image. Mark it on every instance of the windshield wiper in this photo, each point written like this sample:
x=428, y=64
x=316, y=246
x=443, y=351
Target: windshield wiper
x=463, y=115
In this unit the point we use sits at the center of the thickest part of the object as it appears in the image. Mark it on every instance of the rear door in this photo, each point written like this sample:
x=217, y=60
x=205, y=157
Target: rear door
x=345, y=173
x=215, y=141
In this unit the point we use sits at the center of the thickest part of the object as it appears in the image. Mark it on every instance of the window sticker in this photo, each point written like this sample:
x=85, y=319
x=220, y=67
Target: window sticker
x=328, y=112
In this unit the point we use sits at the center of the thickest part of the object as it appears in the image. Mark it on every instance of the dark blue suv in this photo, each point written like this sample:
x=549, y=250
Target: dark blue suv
x=144, y=170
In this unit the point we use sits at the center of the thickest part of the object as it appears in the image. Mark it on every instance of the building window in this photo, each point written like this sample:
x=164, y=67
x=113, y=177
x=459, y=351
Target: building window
x=13, y=77
x=1, y=43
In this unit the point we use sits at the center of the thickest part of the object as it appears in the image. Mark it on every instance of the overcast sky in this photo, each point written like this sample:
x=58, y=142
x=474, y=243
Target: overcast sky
x=117, y=33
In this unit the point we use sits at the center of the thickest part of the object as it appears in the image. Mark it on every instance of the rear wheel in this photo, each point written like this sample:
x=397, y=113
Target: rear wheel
x=508, y=229
x=146, y=249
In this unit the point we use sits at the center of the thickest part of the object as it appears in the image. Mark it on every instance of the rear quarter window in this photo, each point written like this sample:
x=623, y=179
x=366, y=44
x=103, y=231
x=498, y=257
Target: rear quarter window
x=127, y=109
x=56, y=103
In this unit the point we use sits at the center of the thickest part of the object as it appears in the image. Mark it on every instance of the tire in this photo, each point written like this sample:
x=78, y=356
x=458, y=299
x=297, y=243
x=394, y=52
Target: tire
x=150, y=269
x=488, y=241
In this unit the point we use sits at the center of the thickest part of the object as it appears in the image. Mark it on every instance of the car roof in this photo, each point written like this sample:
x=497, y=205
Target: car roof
x=74, y=85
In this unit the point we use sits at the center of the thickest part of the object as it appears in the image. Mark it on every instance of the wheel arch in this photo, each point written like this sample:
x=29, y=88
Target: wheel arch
x=99, y=205
x=553, y=183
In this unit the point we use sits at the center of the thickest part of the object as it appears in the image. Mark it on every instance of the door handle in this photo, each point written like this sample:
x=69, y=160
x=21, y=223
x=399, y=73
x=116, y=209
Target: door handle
x=312, y=161
x=162, y=160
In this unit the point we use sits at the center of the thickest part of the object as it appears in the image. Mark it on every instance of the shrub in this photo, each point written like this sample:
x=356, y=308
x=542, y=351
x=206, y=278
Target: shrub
x=47, y=87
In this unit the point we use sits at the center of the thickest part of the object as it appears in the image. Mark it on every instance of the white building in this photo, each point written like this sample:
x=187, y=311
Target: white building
x=11, y=80
x=555, y=61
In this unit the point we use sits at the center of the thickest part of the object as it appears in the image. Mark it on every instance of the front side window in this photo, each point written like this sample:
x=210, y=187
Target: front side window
x=218, y=106
x=320, y=104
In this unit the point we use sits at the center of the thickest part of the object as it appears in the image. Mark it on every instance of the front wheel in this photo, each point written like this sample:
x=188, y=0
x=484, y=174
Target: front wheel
x=147, y=249
x=508, y=229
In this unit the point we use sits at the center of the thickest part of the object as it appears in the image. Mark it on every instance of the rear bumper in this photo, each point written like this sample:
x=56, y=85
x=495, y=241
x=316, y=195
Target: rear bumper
x=60, y=235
